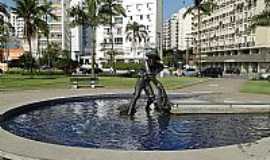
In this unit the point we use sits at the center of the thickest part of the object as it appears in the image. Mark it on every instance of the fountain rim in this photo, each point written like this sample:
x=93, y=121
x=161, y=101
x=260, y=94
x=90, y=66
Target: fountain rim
x=6, y=112
x=16, y=147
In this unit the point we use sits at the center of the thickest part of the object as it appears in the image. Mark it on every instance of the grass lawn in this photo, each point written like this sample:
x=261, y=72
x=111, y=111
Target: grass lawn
x=259, y=87
x=171, y=83
x=20, y=82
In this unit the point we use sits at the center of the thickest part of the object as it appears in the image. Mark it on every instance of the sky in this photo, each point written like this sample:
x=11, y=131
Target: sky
x=170, y=6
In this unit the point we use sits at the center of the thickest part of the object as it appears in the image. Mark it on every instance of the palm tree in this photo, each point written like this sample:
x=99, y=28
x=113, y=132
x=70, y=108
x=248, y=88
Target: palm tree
x=262, y=19
x=5, y=29
x=88, y=14
x=136, y=33
x=204, y=7
x=112, y=8
x=31, y=12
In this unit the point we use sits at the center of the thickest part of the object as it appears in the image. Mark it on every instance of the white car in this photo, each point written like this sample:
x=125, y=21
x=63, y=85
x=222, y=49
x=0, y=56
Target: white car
x=265, y=76
x=189, y=72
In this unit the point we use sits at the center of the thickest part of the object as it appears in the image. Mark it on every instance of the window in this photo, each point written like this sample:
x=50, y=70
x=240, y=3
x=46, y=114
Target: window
x=128, y=8
x=149, y=18
x=141, y=17
x=149, y=5
x=131, y=18
x=119, y=31
x=118, y=20
x=118, y=40
x=139, y=7
x=106, y=30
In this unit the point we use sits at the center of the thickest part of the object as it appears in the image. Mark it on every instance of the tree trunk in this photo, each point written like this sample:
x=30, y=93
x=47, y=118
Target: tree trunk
x=93, y=53
x=30, y=53
x=134, y=44
x=199, y=39
x=47, y=36
x=38, y=49
x=112, y=47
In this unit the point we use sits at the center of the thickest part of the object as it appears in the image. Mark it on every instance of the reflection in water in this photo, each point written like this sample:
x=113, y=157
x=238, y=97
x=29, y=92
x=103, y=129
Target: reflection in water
x=97, y=124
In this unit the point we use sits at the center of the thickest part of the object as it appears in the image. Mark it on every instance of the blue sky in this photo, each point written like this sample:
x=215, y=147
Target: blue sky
x=170, y=6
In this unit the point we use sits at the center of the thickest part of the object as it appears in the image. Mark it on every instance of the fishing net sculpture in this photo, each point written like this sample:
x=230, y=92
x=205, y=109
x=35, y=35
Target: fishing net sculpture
x=148, y=83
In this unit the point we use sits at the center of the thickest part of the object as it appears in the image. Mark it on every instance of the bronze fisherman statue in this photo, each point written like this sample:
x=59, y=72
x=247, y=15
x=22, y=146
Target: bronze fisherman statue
x=148, y=83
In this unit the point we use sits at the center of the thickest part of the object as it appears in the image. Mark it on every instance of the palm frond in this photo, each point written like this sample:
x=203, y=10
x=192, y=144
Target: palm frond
x=4, y=10
x=267, y=3
x=189, y=11
x=207, y=7
x=263, y=19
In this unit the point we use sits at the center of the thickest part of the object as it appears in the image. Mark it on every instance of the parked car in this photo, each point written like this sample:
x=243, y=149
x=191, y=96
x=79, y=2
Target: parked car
x=45, y=67
x=189, y=72
x=212, y=72
x=233, y=71
x=89, y=70
x=265, y=76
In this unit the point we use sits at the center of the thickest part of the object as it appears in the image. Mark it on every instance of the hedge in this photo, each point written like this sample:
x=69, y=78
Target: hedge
x=125, y=66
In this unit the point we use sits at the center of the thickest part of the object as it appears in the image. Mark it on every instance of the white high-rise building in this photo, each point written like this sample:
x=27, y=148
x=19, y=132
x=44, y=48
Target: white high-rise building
x=81, y=40
x=166, y=36
x=184, y=30
x=173, y=30
x=59, y=28
x=225, y=39
x=145, y=12
x=18, y=25
x=177, y=31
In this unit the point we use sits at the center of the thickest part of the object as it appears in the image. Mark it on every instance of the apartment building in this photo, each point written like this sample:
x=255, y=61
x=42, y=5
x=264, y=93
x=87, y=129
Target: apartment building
x=173, y=31
x=59, y=28
x=225, y=39
x=146, y=12
x=81, y=37
x=18, y=25
x=177, y=31
x=166, y=36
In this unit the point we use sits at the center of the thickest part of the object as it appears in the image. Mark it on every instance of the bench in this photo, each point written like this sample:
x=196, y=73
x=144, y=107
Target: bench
x=84, y=81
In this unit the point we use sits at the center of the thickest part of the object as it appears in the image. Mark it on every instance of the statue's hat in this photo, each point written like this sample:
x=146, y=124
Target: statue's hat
x=152, y=55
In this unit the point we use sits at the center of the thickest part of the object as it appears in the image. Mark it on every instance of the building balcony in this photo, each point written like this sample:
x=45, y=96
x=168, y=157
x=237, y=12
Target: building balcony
x=238, y=58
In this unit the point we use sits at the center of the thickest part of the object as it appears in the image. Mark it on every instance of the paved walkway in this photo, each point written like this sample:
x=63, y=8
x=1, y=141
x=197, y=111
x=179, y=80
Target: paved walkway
x=226, y=90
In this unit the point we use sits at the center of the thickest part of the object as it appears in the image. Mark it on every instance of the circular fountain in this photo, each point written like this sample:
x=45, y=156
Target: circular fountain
x=95, y=122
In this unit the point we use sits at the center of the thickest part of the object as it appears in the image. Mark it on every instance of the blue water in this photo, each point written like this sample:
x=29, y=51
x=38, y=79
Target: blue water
x=97, y=124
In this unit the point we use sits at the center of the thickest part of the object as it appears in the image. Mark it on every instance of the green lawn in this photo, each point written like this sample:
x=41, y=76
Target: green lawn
x=259, y=87
x=171, y=83
x=20, y=82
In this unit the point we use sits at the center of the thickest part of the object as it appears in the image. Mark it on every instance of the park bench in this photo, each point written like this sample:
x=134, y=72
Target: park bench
x=84, y=81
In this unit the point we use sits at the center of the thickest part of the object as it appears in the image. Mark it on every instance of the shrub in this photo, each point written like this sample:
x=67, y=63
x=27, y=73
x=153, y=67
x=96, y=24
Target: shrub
x=126, y=66
x=35, y=72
